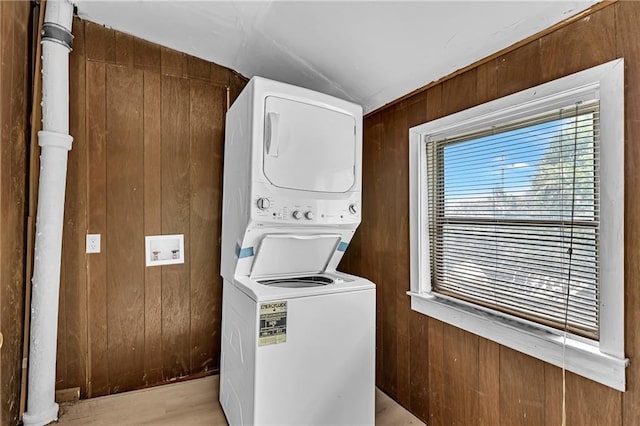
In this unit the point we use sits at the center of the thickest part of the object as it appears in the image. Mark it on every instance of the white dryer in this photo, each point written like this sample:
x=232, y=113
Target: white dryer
x=298, y=337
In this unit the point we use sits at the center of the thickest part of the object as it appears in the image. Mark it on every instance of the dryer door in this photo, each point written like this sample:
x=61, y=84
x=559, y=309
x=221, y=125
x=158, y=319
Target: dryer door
x=307, y=147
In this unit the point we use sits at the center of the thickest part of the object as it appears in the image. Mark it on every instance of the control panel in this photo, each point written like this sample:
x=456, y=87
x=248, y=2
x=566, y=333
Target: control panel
x=300, y=211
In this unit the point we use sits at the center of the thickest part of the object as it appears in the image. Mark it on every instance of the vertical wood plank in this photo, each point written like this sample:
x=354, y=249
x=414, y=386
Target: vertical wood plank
x=74, y=259
x=459, y=92
x=33, y=169
x=146, y=55
x=521, y=389
x=173, y=63
x=198, y=68
x=355, y=246
x=14, y=48
x=206, y=121
x=5, y=411
x=398, y=218
x=124, y=49
x=434, y=103
x=596, y=31
x=592, y=404
x=419, y=362
x=61, y=349
x=370, y=217
x=488, y=382
x=219, y=109
x=125, y=242
x=552, y=395
x=100, y=43
x=487, y=82
x=417, y=113
x=382, y=241
x=219, y=75
x=439, y=410
x=175, y=220
x=152, y=226
x=520, y=69
x=98, y=376
x=461, y=374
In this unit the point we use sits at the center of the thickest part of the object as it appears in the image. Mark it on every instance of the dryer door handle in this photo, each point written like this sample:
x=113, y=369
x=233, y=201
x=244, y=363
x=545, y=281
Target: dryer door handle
x=272, y=142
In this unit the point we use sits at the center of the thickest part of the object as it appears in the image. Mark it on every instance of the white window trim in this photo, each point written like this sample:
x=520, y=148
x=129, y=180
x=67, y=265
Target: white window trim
x=602, y=361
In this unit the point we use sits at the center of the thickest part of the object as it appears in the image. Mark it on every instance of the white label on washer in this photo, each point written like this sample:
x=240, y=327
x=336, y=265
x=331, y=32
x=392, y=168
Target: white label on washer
x=273, y=323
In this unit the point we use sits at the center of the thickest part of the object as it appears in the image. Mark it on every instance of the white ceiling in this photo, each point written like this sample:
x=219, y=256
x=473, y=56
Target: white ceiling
x=369, y=52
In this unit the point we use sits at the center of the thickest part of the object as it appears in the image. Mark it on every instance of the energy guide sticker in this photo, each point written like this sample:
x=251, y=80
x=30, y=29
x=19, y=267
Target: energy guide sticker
x=273, y=323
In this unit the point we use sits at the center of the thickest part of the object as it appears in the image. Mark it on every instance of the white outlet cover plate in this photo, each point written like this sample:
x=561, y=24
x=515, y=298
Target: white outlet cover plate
x=93, y=243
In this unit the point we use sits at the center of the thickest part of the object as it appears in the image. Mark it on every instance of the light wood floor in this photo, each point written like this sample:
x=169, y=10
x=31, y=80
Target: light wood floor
x=193, y=402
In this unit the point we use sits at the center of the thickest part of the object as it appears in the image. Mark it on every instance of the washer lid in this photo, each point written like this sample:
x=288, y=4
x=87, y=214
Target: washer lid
x=289, y=254
x=308, y=147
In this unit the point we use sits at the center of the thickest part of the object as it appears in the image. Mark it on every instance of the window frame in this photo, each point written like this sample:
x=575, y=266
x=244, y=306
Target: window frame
x=600, y=360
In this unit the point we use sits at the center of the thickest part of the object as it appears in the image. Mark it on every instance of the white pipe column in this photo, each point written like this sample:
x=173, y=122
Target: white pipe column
x=55, y=142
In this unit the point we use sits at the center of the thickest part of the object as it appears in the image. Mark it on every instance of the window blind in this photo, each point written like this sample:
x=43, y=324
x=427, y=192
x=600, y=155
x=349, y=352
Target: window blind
x=514, y=217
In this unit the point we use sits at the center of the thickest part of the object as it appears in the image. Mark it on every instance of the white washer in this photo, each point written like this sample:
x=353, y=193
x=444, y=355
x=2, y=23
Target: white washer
x=298, y=337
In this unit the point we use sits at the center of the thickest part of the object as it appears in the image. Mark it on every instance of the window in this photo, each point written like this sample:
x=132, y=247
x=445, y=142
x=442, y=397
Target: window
x=517, y=222
x=514, y=217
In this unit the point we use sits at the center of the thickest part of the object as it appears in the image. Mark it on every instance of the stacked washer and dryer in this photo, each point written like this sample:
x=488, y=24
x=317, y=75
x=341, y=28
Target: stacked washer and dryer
x=298, y=337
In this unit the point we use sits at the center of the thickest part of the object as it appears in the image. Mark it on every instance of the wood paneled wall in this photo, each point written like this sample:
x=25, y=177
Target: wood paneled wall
x=148, y=126
x=446, y=375
x=14, y=130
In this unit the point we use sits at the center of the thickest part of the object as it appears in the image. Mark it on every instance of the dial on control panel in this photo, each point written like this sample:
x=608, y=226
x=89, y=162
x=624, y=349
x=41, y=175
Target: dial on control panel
x=309, y=215
x=263, y=203
x=297, y=215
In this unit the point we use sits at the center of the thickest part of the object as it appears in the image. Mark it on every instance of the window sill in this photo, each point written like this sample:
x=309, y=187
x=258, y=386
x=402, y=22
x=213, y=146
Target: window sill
x=581, y=356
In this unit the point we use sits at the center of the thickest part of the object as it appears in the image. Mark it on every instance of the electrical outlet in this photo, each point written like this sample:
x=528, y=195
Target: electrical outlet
x=93, y=243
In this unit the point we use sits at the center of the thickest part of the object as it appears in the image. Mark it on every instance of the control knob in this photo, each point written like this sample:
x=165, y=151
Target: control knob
x=263, y=203
x=353, y=209
x=309, y=215
x=297, y=215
